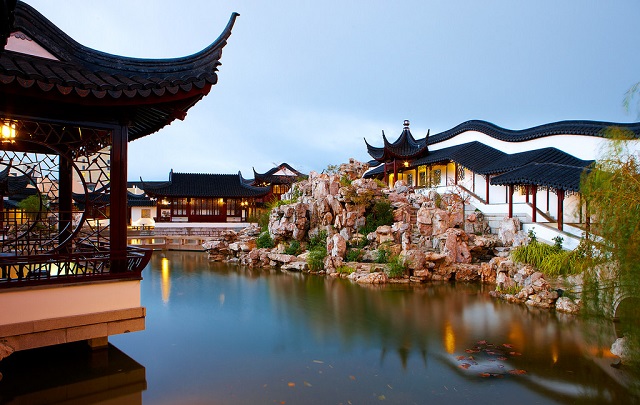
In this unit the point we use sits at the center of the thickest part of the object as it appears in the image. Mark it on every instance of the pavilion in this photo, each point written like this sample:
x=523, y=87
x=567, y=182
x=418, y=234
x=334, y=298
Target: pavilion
x=489, y=164
x=217, y=198
x=67, y=114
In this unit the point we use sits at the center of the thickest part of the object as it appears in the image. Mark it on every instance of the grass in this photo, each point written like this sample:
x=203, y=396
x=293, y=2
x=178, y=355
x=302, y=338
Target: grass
x=395, y=267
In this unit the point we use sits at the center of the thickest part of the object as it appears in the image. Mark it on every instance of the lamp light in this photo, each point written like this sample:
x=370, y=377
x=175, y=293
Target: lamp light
x=8, y=133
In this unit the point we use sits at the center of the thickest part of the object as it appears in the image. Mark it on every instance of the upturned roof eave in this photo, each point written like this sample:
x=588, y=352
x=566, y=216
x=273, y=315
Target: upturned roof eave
x=61, y=45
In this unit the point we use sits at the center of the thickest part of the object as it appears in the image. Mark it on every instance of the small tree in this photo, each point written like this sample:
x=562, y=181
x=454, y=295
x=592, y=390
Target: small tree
x=34, y=205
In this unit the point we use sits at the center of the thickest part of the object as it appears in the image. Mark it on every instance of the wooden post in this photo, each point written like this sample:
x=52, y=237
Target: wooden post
x=587, y=219
x=455, y=173
x=395, y=173
x=534, y=199
x=487, y=188
x=510, y=188
x=560, y=209
x=65, y=202
x=526, y=192
x=118, y=218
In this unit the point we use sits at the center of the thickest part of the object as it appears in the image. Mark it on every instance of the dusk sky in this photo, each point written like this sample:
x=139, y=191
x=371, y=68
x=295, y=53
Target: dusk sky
x=305, y=82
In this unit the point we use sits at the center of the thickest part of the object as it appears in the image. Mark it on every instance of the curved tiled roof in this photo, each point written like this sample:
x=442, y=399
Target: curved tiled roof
x=544, y=155
x=161, y=89
x=204, y=186
x=588, y=128
x=405, y=147
x=553, y=175
x=472, y=155
x=272, y=178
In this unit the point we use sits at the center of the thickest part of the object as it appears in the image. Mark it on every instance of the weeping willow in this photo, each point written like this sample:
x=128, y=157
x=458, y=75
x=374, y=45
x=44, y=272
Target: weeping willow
x=611, y=190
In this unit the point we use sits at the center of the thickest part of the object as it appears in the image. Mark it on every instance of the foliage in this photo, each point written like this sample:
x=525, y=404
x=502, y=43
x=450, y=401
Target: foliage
x=345, y=270
x=354, y=255
x=345, y=181
x=533, y=253
x=34, y=205
x=383, y=254
x=532, y=235
x=395, y=267
x=611, y=191
x=630, y=95
x=293, y=248
x=264, y=241
x=380, y=214
x=512, y=289
x=332, y=169
x=557, y=242
x=315, y=260
x=318, y=240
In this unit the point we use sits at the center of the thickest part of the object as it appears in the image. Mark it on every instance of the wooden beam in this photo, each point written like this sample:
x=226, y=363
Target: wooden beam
x=118, y=218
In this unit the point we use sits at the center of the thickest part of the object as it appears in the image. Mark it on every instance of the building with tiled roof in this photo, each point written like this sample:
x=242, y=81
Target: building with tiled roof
x=204, y=197
x=490, y=163
x=67, y=113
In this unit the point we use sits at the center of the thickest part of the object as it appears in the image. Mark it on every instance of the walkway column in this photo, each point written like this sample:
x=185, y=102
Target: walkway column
x=510, y=200
x=118, y=217
x=455, y=173
x=487, y=188
x=560, y=209
x=534, y=199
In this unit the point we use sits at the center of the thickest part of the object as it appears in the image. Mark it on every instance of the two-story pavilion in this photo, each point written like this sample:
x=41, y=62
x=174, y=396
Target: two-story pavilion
x=66, y=111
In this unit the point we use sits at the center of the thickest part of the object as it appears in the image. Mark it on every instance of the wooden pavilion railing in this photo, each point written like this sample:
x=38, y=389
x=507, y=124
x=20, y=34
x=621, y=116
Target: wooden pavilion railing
x=46, y=269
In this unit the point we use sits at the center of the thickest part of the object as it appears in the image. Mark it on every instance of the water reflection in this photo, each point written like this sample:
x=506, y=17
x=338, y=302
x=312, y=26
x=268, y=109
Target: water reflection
x=232, y=335
x=71, y=373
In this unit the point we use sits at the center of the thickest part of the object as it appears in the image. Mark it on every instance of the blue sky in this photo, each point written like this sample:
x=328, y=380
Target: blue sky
x=304, y=82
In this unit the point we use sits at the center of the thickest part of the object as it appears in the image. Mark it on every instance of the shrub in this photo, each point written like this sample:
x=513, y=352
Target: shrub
x=557, y=242
x=318, y=240
x=395, y=267
x=264, y=241
x=293, y=248
x=380, y=214
x=354, y=255
x=533, y=253
x=315, y=260
x=383, y=254
x=345, y=270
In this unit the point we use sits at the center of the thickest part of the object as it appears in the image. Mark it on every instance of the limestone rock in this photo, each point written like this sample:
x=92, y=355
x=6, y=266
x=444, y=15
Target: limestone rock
x=509, y=227
x=565, y=304
x=456, y=246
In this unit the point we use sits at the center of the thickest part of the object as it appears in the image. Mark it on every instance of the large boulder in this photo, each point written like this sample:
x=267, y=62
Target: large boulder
x=509, y=228
x=456, y=246
x=337, y=245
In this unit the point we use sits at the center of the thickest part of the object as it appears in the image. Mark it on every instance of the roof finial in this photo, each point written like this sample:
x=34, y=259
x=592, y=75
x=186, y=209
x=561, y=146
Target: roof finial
x=406, y=124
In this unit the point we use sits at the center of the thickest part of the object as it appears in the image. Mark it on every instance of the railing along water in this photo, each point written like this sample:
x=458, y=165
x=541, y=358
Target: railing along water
x=19, y=271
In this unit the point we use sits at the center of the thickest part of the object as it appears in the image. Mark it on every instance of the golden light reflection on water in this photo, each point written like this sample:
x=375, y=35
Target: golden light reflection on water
x=449, y=338
x=166, y=280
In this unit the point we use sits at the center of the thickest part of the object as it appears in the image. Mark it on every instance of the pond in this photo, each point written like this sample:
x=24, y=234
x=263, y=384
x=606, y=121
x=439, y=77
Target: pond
x=224, y=334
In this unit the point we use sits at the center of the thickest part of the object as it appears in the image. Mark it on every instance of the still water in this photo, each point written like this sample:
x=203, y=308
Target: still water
x=218, y=334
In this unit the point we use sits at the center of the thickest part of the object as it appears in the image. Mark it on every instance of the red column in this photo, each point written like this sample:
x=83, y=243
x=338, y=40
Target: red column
x=118, y=219
x=526, y=193
x=510, y=200
x=395, y=173
x=487, y=188
x=534, y=213
x=560, y=209
x=455, y=174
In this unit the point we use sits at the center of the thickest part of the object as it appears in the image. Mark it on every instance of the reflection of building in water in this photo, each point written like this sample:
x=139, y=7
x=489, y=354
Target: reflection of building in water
x=75, y=375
